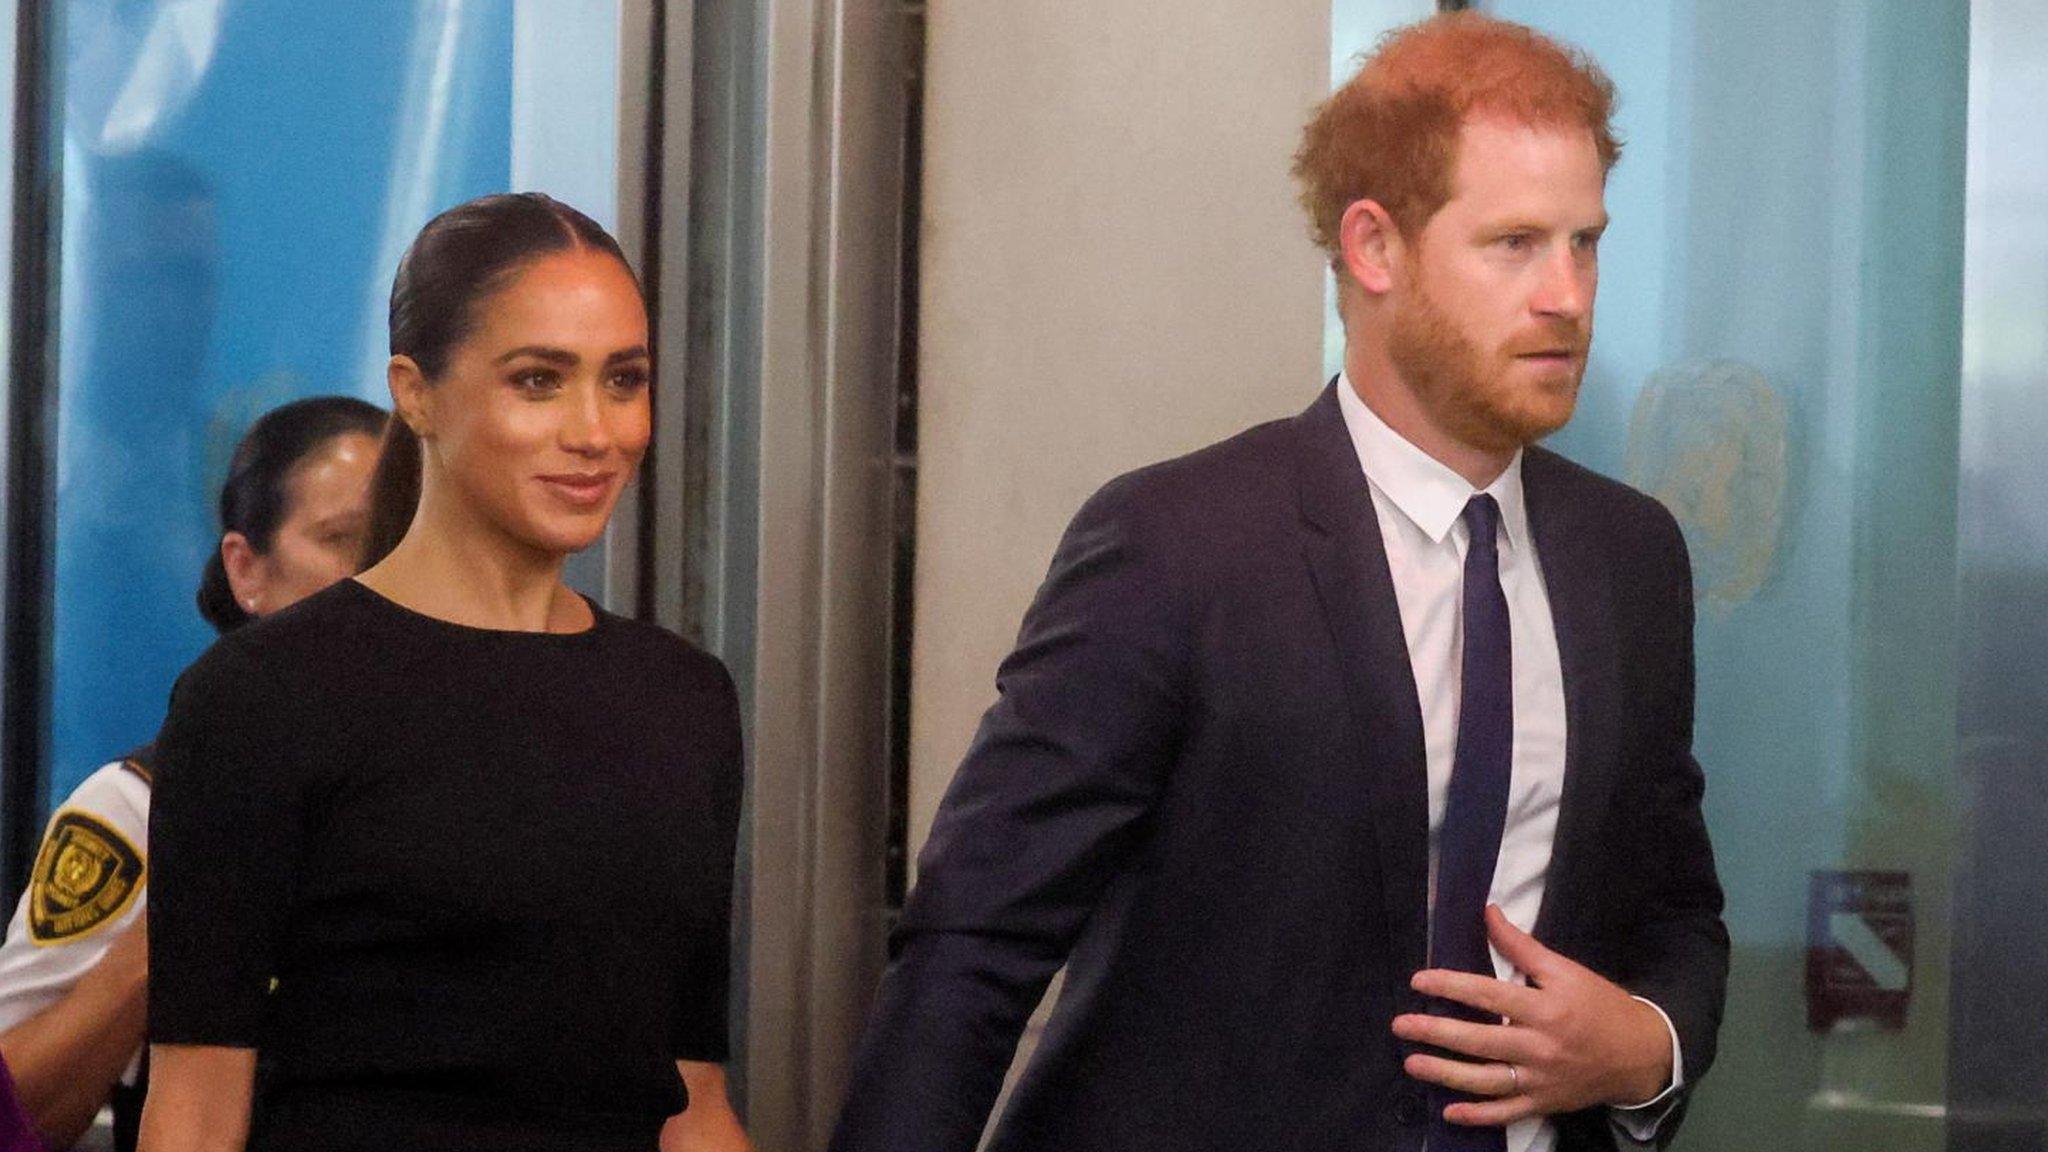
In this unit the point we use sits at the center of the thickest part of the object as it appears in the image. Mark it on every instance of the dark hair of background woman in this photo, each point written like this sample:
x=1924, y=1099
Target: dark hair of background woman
x=256, y=496
x=461, y=257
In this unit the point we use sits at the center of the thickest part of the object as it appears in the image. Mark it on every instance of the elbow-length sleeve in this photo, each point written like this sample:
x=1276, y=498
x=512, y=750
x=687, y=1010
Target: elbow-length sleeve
x=225, y=824
x=701, y=1029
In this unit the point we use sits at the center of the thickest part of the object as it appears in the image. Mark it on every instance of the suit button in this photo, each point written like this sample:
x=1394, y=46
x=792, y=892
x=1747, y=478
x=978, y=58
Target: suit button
x=1411, y=1108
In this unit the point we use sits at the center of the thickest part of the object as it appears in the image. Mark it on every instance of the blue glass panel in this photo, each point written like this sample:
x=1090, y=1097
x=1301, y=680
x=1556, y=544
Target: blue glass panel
x=238, y=182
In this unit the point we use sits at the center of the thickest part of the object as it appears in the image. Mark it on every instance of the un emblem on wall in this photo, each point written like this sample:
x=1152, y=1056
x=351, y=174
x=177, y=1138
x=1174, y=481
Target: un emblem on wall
x=86, y=875
x=1709, y=442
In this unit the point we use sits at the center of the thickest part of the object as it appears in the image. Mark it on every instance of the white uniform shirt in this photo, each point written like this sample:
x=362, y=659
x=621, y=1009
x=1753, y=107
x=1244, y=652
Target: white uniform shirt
x=1418, y=502
x=105, y=826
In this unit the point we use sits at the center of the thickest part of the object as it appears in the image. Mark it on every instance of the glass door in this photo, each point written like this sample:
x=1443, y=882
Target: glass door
x=237, y=184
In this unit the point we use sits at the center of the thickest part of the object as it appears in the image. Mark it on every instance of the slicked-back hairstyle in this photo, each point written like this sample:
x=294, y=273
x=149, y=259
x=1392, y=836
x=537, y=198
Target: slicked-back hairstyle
x=256, y=497
x=1391, y=133
x=458, y=260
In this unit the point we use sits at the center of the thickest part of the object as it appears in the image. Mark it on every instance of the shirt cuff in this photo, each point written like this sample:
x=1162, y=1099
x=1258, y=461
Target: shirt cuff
x=1639, y=1122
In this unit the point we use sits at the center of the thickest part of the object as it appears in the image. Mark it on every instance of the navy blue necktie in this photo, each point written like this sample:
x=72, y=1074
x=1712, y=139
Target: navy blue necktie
x=1476, y=810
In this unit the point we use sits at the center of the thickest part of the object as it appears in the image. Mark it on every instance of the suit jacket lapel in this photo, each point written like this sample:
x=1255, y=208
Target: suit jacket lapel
x=1348, y=564
x=1576, y=577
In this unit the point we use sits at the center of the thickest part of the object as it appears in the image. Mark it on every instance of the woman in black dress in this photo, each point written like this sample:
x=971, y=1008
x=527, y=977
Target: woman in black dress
x=448, y=846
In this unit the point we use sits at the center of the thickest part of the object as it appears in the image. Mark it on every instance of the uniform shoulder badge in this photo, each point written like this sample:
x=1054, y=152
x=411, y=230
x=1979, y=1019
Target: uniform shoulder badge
x=86, y=875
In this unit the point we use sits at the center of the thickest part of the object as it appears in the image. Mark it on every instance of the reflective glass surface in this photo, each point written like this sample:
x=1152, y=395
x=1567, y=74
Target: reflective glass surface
x=1998, y=1047
x=239, y=180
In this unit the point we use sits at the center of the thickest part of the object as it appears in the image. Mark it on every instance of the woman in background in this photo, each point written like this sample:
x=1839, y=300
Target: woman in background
x=294, y=514
x=450, y=847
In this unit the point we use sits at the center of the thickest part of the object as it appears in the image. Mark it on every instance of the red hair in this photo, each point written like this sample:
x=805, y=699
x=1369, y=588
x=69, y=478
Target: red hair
x=1391, y=133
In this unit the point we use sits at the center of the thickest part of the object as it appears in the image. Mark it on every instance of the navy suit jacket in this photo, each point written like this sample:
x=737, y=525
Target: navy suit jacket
x=1202, y=789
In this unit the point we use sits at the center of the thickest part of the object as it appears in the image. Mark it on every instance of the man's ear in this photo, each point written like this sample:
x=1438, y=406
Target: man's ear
x=248, y=576
x=1371, y=247
x=411, y=396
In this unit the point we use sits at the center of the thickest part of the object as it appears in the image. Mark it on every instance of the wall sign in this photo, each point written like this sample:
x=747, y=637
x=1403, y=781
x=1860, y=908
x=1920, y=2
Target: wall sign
x=1859, y=949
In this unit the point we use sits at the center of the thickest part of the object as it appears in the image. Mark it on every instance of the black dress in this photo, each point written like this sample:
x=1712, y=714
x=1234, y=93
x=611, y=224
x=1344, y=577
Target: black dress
x=460, y=888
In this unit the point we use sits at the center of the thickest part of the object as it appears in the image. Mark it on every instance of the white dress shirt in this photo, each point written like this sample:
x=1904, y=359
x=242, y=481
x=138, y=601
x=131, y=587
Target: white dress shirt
x=1419, y=502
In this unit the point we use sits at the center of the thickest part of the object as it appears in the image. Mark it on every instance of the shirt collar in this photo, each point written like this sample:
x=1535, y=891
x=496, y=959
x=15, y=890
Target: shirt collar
x=1426, y=490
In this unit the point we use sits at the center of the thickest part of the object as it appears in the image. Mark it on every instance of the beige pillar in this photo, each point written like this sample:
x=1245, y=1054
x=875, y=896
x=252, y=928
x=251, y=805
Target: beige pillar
x=1114, y=271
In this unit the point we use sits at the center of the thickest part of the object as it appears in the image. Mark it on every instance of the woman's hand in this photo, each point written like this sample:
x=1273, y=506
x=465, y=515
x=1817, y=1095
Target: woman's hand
x=708, y=1124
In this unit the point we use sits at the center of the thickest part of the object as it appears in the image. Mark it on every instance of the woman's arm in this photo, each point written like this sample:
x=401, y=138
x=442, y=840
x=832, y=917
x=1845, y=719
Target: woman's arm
x=225, y=834
x=198, y=1098
x=707, y=1125
x=66, y=1058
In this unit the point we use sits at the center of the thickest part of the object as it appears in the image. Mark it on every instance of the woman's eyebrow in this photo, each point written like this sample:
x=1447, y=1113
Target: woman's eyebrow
x=564, y=357
x=349, y=519
x=539, y=352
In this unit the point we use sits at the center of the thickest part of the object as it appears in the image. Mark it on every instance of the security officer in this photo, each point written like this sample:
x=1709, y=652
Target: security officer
x=74, y=968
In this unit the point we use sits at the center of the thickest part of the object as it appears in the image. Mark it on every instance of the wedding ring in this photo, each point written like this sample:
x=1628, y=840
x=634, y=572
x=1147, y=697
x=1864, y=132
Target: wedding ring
x=1514, y=1080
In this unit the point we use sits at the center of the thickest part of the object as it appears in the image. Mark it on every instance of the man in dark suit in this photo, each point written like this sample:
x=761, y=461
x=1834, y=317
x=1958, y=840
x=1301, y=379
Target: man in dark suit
x=1346, y=764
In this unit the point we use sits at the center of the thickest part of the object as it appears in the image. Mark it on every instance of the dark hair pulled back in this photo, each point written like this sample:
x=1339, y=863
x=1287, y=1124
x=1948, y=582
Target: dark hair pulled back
x=458, y=260
x=256, y=496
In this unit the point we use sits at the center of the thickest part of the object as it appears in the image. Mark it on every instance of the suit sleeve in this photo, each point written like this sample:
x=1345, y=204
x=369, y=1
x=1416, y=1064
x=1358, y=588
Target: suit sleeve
x=1678, y=952
x=1041, y=814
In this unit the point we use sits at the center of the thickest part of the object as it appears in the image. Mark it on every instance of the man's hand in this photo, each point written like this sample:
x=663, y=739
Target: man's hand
x=1572, y=1039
